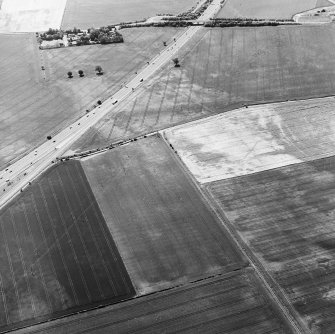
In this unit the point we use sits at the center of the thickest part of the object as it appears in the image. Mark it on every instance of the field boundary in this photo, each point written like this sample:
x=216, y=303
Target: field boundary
x=154, y=294
x=248, y=271
x=232, y=107
x=270, y=285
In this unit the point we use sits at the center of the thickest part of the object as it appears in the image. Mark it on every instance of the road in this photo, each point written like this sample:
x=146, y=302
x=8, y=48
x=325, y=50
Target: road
x=20, y=174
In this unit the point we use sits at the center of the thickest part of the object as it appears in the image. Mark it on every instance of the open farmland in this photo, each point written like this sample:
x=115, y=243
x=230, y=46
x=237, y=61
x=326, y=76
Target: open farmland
x=223, y=69
x=56, y=253
x=31, y=15
x=230, y=304
x=165, y=233
x=245, y=141
x=265, y=9
x=97, y=13
x=323, y=3
x=36, y=103
x=286, y=217
x=30, y=108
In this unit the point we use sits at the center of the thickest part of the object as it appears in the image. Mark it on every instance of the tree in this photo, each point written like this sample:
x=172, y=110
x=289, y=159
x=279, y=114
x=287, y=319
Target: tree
x=104, y=39
x=98, y=69
x=81, y=73
x=94, y=34
x=69, y=74
x=85, y=39
x=76, y=30
x=176, y=62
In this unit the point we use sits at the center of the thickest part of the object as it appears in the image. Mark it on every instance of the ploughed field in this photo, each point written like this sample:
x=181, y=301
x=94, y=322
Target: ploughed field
x=97, y=13
x=164, y=231
x=222, y=69
x=232, y=303
x=265, y=9
x=36, y=103
x=56, y=253
x=286, y=217
x=249, y=140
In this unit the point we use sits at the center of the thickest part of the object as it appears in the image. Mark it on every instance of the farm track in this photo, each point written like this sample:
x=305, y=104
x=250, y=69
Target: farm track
x=270, y=285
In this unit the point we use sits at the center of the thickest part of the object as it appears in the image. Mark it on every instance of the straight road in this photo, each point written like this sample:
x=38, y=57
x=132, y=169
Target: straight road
x=19, y=175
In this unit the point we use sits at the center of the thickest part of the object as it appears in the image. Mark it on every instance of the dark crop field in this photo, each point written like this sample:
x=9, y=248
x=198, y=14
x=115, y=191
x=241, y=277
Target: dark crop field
x=223, y=69
x=286, y=216
x=165, y=233
x=230, y=304
x=56, y=253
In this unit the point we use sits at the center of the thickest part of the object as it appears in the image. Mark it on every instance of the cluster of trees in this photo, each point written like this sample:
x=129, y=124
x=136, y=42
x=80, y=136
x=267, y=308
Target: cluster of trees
x=98, y=70
x=105, y=35
x=190, y=15
x=132, y=22
x=177, y=23
x=252, y=19
x=160, y=14
x=73, y=31
x=50, y=35
x=239, y=22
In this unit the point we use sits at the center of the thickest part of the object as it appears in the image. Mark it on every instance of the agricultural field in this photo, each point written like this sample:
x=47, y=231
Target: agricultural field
x=97, y=13
x=35, y=103
x=265, y=9
x=323, y=3
x=222, y=69
x=249, y=140
x=286, y=217
x=30, y=15
x=165, y=233
x=233, y=303
x=56, y=254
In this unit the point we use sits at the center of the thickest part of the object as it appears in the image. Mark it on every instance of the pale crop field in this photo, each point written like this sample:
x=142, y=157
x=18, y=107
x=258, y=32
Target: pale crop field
x=31, y=15
x=259, y=138
x=97, y=13
x=265, y=9
x=165, y=233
